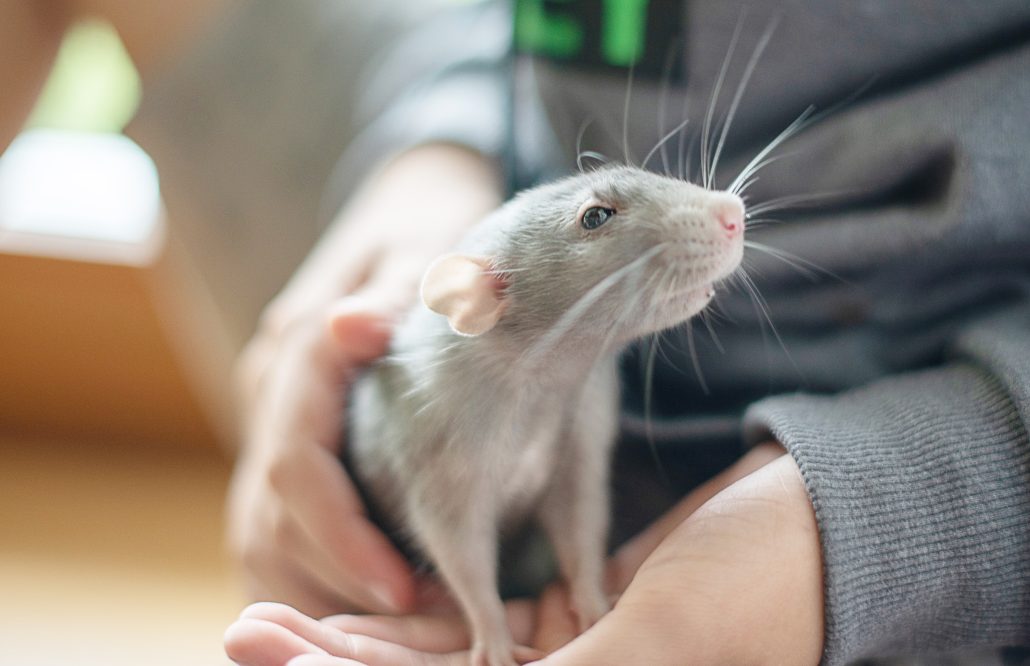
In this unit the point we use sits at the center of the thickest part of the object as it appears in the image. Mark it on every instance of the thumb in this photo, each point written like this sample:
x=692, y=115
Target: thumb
x=359, y=329
x=361, y=324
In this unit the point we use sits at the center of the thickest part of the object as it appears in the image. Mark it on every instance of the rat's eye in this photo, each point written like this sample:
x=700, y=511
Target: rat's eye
x=595, y=217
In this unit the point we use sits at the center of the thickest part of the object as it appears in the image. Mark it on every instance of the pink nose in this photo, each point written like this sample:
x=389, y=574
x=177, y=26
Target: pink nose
x=730, y=214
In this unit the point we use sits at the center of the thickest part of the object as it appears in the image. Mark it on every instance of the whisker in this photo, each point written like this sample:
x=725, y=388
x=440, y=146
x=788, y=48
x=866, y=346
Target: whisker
x=750, y=174
x=662, y=142
x=687, y=159
x=759, y=222
x=706, y=129
x=580, y=307
x=625, y=118
x=802, y=265
x=714, y=310
x=705, y=318
x=665, y=356
x=579, y=143
x=591, y=154
x=799, y=123
x=796, y=201
x=808, y=273
x=694, y=357
x=663, y=98
x=743, y=188
x=735, y=103
x=762, y=306
x=653, y=342
x=681, y=156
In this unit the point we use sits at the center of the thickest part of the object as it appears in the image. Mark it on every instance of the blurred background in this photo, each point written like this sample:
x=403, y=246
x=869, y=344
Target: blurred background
x=154, y=202
x=111, y=476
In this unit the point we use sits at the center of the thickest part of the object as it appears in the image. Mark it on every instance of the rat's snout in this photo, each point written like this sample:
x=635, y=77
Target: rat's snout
x=728, y=210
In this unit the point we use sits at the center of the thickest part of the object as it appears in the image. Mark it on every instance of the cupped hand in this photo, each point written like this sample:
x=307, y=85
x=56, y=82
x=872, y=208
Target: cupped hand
x=295, y=520
x=733, y=574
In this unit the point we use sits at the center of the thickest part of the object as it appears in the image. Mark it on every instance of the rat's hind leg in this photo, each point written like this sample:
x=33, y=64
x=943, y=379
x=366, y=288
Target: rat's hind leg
x=575, y=516
x=463, y=547
x=574, y=510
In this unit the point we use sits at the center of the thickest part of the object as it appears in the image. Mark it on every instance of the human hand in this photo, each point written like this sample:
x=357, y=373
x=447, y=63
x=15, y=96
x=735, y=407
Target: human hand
x=747, y=561
x=738, y=582
x=294, y=518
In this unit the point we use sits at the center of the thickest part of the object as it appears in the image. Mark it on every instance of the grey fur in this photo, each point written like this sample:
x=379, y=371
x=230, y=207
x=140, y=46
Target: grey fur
x=457, y=438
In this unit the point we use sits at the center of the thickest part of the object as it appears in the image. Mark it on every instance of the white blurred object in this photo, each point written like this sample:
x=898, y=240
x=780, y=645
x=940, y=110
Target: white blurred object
x=98, y=188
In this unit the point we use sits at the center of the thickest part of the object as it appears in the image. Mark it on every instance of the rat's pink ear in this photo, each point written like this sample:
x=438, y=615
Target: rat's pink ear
x=464, y=290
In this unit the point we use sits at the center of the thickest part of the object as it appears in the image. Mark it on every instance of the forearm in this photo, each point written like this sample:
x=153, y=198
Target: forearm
x=630, y=556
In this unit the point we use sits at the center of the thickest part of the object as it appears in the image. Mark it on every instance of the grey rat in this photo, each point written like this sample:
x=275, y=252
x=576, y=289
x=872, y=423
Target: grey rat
x=497, y=402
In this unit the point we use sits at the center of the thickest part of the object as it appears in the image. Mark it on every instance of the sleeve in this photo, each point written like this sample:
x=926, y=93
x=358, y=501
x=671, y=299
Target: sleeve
x=458, y=91
x=921, y=488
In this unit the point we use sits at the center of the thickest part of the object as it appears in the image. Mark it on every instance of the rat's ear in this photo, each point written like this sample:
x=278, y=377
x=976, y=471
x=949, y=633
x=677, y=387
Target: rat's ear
x=464, y=290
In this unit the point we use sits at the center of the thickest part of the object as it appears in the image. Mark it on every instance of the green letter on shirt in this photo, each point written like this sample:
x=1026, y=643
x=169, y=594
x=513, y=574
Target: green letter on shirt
x=625, y=22
x=540, y=32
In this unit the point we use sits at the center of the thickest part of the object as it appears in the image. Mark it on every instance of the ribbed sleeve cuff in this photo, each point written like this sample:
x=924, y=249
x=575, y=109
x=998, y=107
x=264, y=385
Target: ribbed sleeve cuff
x=921, y=488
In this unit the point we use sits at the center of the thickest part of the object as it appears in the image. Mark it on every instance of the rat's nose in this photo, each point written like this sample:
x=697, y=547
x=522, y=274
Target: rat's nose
x=729, y=211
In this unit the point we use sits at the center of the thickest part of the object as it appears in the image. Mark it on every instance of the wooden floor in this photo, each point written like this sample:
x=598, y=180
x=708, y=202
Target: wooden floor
x=112, y=556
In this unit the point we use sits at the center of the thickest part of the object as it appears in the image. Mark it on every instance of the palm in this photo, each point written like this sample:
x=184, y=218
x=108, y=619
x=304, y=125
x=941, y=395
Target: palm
x=744, y=561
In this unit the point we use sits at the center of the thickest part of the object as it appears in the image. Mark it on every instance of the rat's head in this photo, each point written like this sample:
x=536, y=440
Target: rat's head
x=616, y=253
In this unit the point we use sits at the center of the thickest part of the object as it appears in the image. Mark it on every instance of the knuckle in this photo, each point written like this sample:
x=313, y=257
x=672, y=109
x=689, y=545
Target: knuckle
x=266, y=610
x=279, y=472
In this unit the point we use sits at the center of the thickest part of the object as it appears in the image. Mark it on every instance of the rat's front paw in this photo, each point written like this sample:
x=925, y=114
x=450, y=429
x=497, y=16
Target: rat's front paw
x=589, y=604
x=494, y=653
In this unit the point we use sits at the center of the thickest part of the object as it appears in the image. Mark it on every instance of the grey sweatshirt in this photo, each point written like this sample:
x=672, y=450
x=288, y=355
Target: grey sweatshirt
x=898, y=373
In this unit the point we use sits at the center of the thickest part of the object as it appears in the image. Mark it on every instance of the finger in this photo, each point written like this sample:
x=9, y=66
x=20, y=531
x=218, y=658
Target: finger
x=395, y=284
x=355, y=557
x=349, y=589
x=360, y=328
x=555, y=625
x=302, y=399
x=257, y=642
x=426, y=633
x=364, y=649
x=319, y=660
x=431, y=633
